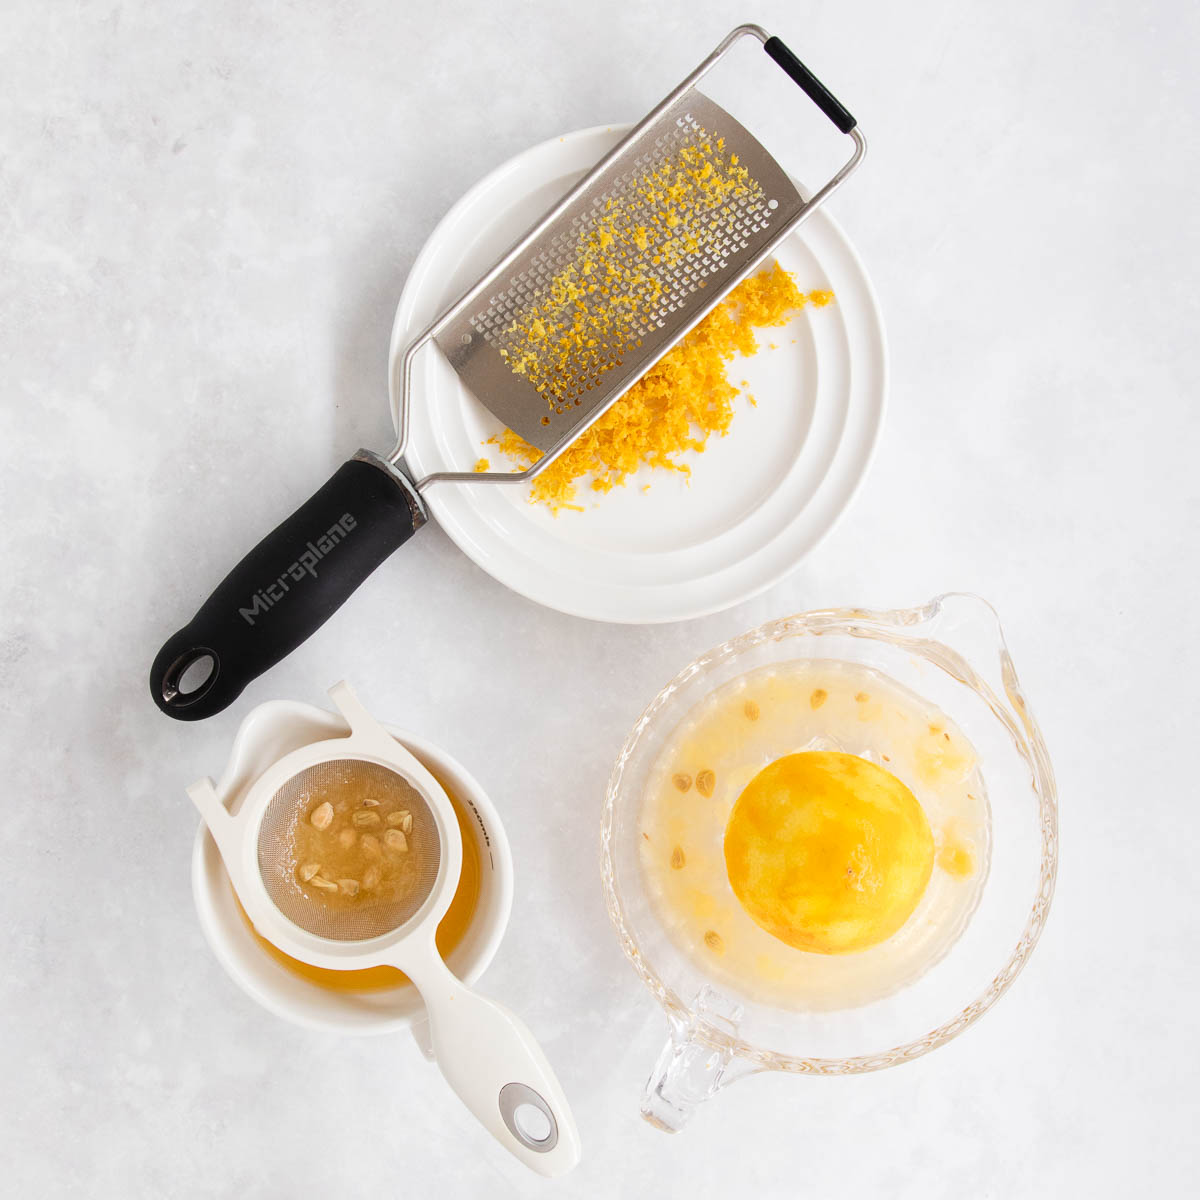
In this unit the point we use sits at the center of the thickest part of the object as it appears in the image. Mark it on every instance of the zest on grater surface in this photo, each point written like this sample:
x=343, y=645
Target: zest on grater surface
x=685, y=211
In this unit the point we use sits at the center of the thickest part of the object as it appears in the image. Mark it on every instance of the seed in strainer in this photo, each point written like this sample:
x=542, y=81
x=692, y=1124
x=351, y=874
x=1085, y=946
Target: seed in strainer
x=322, y=816
x=370, y=845
x=326, y=885
x=365, y=819
x=370, y=802
x=348, y=887
x=371, y=878
x=401, y=820
x=346, y=838
x=395, y=840
x=307, y=871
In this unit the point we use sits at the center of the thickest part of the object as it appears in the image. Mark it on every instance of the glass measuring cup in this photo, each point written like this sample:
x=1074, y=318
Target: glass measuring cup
x=950, y=652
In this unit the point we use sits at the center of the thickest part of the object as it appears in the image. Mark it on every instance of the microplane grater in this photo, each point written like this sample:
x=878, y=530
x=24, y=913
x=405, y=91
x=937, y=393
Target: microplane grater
x=299, y=575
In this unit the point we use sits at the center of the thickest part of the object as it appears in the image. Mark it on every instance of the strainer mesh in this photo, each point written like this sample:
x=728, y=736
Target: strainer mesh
x=344, y=783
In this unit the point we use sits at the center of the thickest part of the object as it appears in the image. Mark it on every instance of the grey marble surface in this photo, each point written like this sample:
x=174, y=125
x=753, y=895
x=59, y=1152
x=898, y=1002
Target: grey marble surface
x=207, y=212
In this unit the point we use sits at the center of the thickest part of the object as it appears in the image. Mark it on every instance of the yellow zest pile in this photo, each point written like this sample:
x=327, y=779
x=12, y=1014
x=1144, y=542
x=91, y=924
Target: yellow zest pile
x=676, y=406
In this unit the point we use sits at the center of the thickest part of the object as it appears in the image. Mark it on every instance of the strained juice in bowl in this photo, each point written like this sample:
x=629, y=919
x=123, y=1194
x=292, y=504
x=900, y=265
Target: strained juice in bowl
x=804, y=719
x=450, y=932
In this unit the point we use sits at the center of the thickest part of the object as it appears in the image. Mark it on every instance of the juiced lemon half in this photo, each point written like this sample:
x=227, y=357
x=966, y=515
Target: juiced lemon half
x=828, y=852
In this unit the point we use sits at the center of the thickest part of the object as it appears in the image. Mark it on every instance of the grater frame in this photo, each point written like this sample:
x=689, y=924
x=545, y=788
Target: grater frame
x=452, y=328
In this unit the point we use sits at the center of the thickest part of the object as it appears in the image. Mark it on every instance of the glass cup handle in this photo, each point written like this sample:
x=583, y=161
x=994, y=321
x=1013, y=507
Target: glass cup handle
x=692, y=1068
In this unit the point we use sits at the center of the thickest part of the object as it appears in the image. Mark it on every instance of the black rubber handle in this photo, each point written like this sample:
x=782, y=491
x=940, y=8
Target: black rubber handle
x=816, y=91
x=287, y=587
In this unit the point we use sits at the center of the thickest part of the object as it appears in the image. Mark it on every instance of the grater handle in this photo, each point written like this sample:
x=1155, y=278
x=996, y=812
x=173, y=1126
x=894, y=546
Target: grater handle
x=287, y=587
x=816, y=91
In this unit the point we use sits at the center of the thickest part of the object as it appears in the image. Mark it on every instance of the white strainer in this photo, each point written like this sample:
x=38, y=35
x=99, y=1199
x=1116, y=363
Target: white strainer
x=486, y=1053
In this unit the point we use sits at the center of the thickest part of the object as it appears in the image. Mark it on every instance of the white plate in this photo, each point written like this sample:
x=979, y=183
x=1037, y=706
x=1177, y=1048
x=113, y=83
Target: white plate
x=759, y=499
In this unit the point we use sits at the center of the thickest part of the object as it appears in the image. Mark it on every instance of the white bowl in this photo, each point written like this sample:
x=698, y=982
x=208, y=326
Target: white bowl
x=268, y=733
x=753, y=505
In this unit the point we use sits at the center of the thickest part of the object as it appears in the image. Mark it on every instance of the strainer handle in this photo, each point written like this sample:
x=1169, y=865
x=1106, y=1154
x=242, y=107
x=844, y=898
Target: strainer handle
x=496, y=1067
x=287, y=587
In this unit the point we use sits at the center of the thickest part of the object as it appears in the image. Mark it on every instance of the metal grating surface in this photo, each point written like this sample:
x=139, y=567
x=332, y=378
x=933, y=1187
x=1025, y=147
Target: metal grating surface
x=577, y=351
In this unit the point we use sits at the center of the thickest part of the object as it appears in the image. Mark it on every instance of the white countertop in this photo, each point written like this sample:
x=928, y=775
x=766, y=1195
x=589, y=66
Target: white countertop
x=206, y=217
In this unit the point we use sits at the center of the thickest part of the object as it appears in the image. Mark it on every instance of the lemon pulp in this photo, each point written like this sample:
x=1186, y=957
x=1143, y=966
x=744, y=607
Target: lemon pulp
x=828, y=852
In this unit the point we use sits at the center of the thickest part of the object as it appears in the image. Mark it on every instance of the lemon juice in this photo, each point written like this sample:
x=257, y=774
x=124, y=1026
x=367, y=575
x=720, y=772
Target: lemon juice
x=815, y=836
